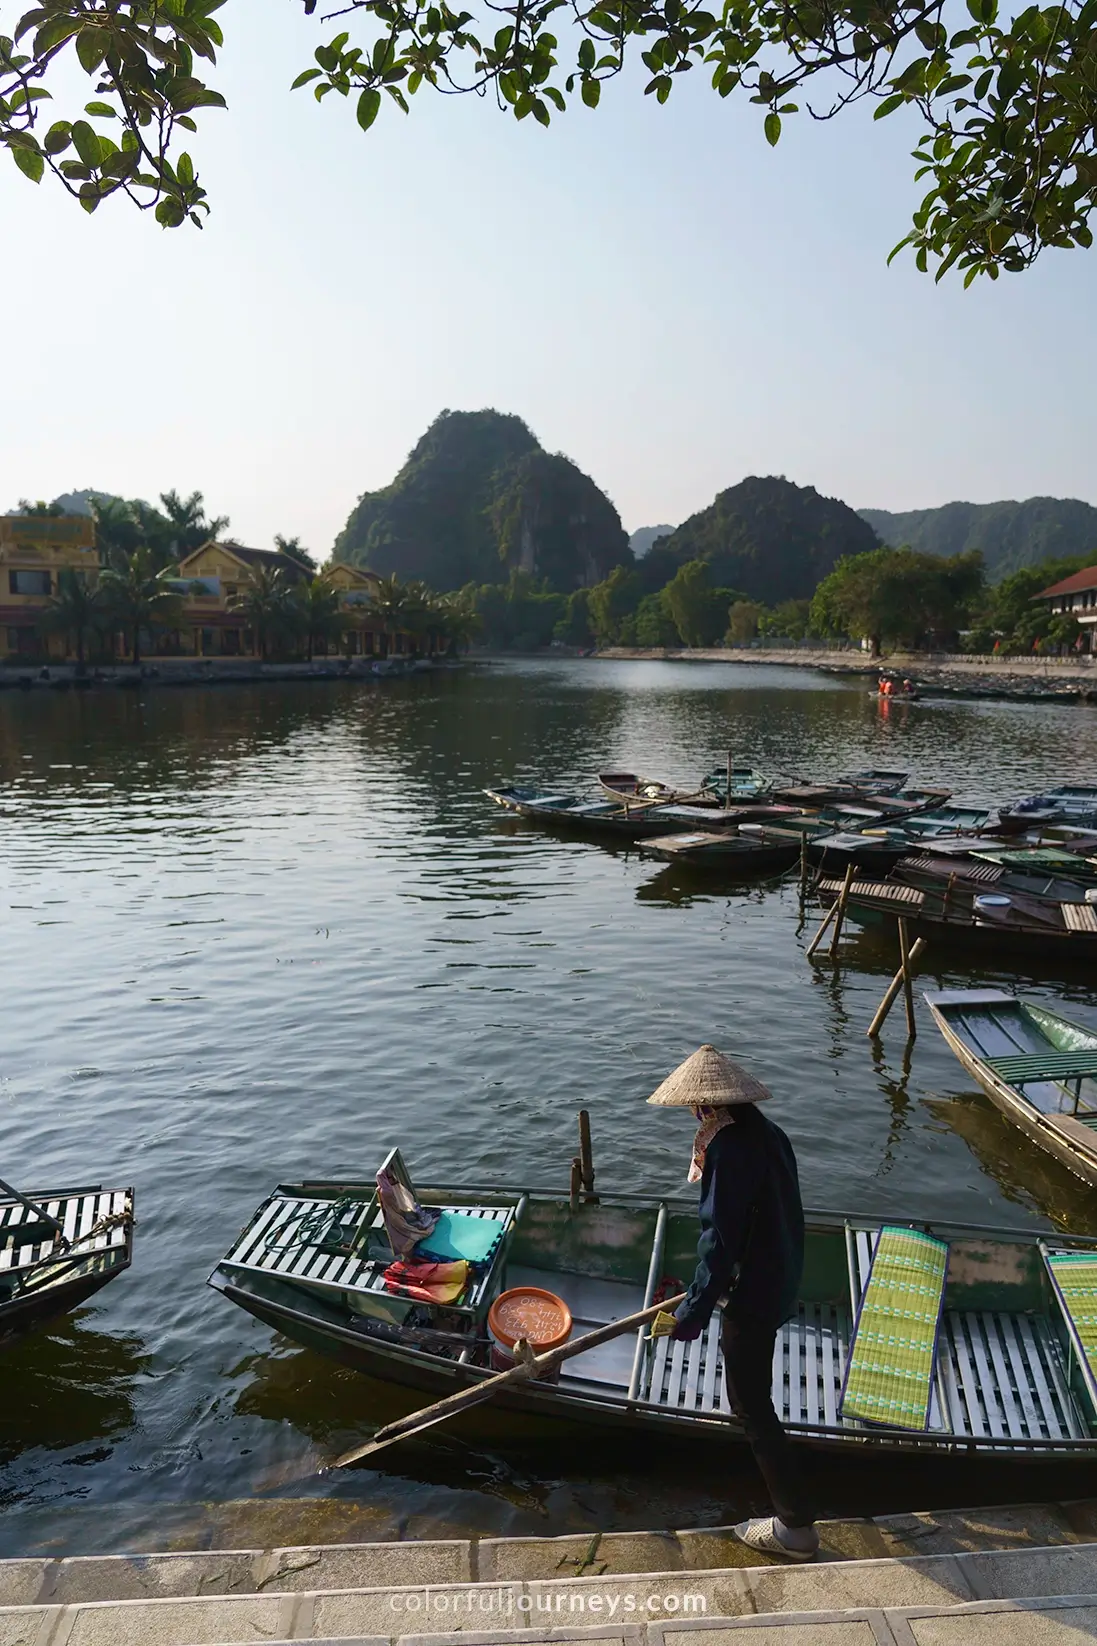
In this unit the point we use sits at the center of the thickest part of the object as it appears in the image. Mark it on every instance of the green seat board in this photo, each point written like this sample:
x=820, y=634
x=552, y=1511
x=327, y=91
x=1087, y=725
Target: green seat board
x=890, y=1367
x=1050, y=1065
x=1075, y=1278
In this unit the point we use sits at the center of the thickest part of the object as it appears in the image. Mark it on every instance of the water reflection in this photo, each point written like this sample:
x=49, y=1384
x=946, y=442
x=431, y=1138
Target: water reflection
x=1027, y=1176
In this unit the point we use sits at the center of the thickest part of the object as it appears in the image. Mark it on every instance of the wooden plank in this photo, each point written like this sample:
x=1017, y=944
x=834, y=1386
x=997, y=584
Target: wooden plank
x=778, y=1379
x=795, y=1388
x=830, y=1373
x=812, y=1365
x=987, y=1382
x=976, y=1422
x=1022, y=1378
x=1079, y=917
x=712, y=1363
x=1043, y=1353
x=1012, y=1408
x=954, y=1411
x=674, y=1382
x=656, y=1386
x=693, y=1372
x=241, y=1254
x=8, y=1254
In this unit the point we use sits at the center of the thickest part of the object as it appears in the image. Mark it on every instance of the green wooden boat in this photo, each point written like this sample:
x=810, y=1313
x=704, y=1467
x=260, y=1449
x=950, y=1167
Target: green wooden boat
x=1037, y=1067
x=1004, y=1366
x=57, y=1249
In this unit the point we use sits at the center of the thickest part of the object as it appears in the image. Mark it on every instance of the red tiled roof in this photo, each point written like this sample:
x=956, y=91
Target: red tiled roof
x=1076, y=584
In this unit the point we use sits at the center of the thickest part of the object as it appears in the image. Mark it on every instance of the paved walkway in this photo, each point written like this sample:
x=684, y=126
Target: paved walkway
x=529, y=1591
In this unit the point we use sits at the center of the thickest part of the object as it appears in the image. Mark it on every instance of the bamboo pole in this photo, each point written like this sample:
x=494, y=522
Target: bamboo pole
x=586, y=1153
x=908, y=987
x=528, y=1366
x=893, y=988
x=822, y=932
x=576, y=1183
x=843, y=899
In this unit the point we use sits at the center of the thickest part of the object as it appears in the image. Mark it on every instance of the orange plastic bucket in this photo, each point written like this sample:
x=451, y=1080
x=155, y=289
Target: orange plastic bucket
x=542, y=1318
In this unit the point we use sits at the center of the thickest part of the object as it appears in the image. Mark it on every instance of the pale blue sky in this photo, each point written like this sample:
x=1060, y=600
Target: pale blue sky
x=655, y=291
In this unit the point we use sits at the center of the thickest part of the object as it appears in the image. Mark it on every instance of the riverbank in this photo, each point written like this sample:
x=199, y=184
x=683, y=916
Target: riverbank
x=946, y=674
x=169, y=671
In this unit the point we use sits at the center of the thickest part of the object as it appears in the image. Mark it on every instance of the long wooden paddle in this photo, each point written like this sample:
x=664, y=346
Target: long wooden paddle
x=524, y=1368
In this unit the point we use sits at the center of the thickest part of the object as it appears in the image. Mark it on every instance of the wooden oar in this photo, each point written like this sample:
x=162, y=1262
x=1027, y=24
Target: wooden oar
x=521, y=1371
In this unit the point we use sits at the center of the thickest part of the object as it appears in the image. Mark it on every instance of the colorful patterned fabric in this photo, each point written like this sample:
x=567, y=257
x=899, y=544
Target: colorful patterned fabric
x=427, y=1282
x=890, y=1368
x=1076, y=1278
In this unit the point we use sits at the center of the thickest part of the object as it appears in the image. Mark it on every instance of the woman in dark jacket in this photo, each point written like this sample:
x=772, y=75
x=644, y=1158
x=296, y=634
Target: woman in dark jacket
x=751, y=1253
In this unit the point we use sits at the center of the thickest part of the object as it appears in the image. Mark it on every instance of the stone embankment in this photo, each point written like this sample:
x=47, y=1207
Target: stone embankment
x=945, y=673
x=1009, y=1577
x=208, y=672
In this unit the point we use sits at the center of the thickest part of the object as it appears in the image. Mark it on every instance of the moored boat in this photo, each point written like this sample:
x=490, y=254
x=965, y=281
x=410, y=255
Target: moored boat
x=1002, y=1368
x=628, y=786
x=1038, y=1068
x=746, y=850
x=57, y=1249
x=568, y=813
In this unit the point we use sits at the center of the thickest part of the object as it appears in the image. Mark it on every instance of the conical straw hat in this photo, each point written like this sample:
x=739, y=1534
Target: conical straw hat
x=708, y=1077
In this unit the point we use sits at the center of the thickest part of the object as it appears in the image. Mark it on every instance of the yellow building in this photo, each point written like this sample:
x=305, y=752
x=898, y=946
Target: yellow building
x=213, y=578
x=34, y=549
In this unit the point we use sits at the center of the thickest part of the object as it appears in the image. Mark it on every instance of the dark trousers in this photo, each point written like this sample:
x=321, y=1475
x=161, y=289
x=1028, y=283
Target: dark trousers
x=748, y=1371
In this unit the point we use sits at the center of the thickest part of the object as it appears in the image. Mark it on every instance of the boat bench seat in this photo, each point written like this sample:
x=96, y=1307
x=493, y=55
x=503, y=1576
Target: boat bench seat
x=998, y=1375
x=282, y=1241
x=1019, y=1069
x=77, y=1214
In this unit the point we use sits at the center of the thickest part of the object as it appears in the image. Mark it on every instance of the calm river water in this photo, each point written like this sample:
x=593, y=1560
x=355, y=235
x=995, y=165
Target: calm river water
x=258, y=934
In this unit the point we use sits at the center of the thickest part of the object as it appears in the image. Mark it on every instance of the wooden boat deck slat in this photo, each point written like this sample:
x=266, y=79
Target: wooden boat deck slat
x=1079, y=917
x=77, y=1215
x=880, y=892
x=268, y=1246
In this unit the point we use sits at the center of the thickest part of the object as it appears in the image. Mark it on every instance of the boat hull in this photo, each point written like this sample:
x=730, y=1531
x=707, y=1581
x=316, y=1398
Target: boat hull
x=26, y=1313
x=1082, y=1162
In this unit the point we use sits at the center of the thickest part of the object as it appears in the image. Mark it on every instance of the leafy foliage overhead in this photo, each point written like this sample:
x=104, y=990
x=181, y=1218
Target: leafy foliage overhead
x=766, y=537
x=1008, y=535
x=478, y=498
x=1006, y=102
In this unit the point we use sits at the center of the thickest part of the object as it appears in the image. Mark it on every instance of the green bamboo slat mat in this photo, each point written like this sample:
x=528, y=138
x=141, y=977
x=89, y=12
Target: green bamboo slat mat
x=889, y=1372
x=1076, y=1278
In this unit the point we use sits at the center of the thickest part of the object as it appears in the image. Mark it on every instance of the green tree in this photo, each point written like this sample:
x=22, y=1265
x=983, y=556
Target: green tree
x=699, y=612
x=654, y=624
x=266, y=605
x=140, y=598
x=1006, y=102
x=1010, y=613
x=574, y=628
x=611, y=604
x=187, y=526
x=898, y=596
x=744, y=617
x=786, y=621
x=39, y=510
x=74, y=611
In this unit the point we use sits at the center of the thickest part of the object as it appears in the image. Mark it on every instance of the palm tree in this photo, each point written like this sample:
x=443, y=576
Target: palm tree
x=140, y=597
x=188, y=527
x=458, y=619
x=316, y=606
x=118, y=530
x=266, y=605
x=293, y=549
x=392, y=605
x=73, y=611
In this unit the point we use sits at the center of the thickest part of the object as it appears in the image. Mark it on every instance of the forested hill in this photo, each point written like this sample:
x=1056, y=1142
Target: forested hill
x=479, y=497
x=1008, y=535
x=767, y=538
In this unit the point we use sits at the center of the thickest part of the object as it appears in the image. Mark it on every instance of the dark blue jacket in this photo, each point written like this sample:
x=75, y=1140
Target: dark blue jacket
x=752, y=1225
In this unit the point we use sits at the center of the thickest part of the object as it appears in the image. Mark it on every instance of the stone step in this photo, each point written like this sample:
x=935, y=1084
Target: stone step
x=289, y=1601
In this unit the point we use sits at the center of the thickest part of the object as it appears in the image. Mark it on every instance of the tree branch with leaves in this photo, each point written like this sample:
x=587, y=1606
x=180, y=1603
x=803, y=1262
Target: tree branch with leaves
x=1007, y=102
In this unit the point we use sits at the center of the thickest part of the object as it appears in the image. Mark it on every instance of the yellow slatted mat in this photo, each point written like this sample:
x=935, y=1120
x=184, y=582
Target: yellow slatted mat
x=1076, y=1278
x=890, y=1368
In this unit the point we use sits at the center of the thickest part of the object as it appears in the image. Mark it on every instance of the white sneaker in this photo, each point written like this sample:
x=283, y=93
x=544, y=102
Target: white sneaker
x=761, y=1535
